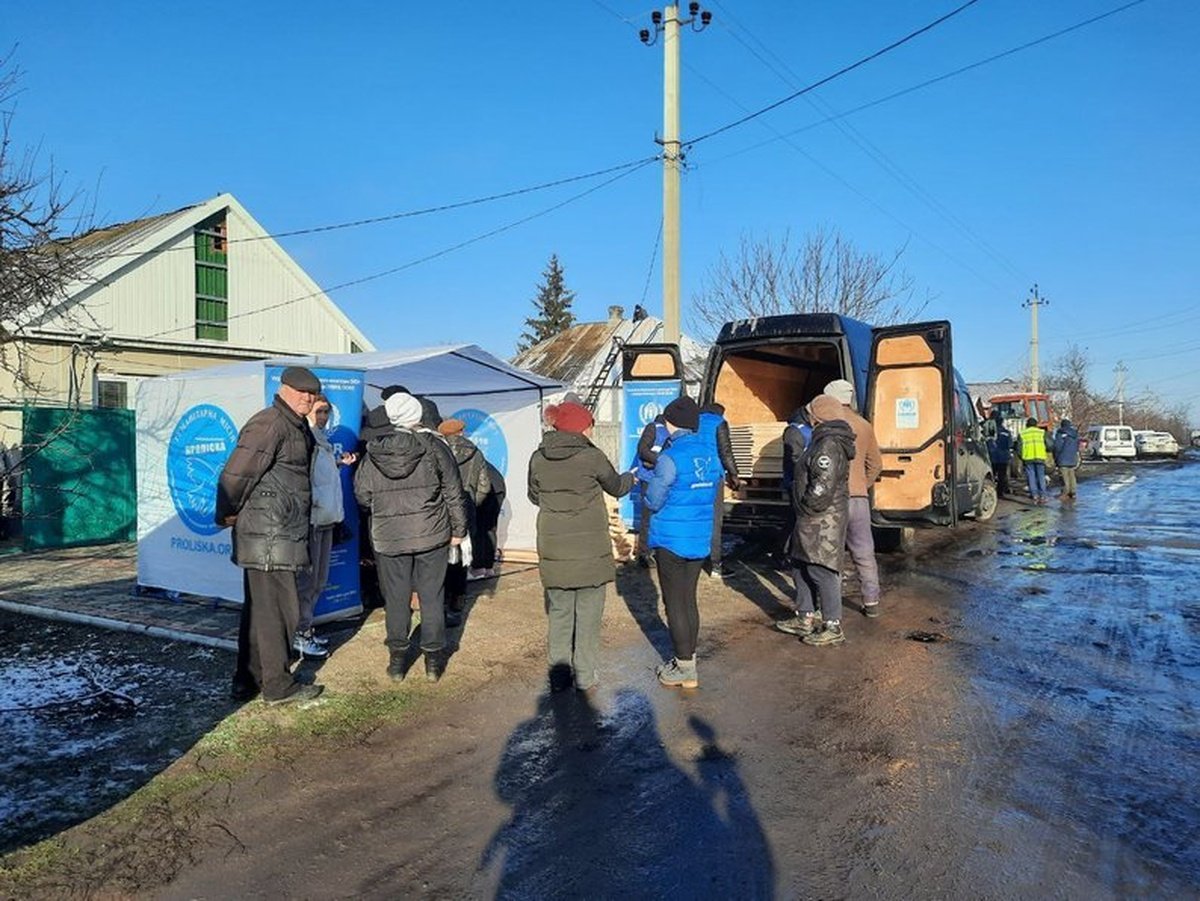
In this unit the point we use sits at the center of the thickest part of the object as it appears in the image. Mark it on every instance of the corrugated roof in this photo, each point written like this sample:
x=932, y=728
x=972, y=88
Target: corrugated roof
x=110, y=239
x=575, y=357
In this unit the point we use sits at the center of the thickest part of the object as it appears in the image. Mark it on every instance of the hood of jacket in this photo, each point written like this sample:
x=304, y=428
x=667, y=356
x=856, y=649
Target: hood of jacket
x=836, y=430
x=464, y=448
x=558, y=445
x=397, y=455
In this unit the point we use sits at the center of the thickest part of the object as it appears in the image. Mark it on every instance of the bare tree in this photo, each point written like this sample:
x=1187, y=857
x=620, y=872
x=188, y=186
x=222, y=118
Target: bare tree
x=827, y=273
x=37, y=219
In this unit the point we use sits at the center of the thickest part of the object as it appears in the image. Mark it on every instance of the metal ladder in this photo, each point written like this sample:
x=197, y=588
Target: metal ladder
x=601, y=379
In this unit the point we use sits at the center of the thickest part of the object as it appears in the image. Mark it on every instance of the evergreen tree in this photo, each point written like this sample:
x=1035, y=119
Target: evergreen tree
x=553, y=306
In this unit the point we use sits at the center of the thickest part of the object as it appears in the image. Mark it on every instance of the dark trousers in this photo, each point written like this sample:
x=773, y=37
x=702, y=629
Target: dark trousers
x=456, y=584
x=483, y=536
x=677, y=578
x=644, y=514
x=399, y=576
x=270, y=612
x=714, y=552
x=818, y=588
x=1000, y=471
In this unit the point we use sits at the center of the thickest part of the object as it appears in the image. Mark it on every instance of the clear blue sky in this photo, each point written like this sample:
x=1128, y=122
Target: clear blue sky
x=1072, y=164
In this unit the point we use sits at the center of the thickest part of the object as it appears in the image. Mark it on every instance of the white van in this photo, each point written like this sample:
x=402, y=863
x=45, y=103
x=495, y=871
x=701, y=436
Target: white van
x=1111, y=442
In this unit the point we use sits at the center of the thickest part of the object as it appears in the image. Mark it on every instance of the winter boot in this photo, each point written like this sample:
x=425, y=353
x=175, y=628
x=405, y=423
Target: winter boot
x=678, y=673
x=831, y=634
x=435, y=665
x=395, y=668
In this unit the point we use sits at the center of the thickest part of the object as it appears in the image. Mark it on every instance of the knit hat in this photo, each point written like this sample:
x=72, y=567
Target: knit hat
x=301, y=379
x=392, y=389
x=451, y=426
x=402, y=409
x=571, y=417
x=841, y=391
x=683, y=413
x=825, y=408
x=549, y=414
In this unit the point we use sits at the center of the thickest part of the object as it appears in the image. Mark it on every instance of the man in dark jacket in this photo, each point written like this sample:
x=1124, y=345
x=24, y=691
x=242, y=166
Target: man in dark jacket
x=1066, y=455
x=821, y=497
x=265, y=493
x=410, y=484
x=476, y=482
x=568, y=478
x=714, y=427
x=999, y=443
x=650, y=444
x=487, y=521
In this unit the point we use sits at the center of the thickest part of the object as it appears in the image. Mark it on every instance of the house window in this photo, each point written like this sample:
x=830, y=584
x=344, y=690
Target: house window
x=112, y=395
x=212, y=281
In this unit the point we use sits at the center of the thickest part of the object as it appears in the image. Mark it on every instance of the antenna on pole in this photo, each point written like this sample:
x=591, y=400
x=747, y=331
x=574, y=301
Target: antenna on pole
x=1032, y=303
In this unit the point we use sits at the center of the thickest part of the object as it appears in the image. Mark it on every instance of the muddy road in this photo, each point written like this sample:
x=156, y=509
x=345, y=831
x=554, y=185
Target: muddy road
x=1041, y=742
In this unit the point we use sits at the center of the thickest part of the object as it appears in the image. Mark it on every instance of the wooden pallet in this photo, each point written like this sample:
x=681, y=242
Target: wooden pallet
x=758, y=448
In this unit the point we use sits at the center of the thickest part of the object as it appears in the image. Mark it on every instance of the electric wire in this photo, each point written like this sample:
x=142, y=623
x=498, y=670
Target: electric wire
x=407, y=214
x=653, y=259
x=828, y=78
x=428, y=257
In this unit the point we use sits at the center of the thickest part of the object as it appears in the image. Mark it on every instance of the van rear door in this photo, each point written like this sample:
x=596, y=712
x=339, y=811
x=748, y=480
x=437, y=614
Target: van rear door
x=910, y=388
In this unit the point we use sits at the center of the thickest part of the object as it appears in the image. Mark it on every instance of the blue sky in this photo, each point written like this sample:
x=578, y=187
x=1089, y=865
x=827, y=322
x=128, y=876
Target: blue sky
x=1071, y=164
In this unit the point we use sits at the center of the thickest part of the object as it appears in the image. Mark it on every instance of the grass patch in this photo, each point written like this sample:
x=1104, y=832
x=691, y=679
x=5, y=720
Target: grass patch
x=142, y=842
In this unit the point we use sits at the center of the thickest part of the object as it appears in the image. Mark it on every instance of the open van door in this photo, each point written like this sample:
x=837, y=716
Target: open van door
x=651, y=377
x=910, y=387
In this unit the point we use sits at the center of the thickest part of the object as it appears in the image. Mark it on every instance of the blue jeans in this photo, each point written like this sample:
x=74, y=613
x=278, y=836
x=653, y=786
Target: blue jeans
x=1035, y=478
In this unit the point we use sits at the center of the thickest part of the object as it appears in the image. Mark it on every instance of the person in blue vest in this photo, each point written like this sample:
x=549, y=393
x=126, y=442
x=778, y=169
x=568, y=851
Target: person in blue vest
x=650, y=444
x=714, y=428
x=680, y=492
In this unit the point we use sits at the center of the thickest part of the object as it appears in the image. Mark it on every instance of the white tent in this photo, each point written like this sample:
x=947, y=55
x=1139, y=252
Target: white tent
x=187, y=426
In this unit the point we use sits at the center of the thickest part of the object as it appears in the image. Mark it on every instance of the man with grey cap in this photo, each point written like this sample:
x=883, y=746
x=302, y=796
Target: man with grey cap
x=265, y=494
x=865, y=468
x=410, y=484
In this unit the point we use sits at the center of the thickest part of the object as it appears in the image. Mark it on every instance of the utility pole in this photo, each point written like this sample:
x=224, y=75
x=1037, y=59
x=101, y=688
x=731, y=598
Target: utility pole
x=1120, y=371
x=668, y=24
x=1033, y=302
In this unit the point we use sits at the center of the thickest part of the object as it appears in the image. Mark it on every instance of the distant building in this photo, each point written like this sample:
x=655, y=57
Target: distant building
x=577, y=356
x=196, y=287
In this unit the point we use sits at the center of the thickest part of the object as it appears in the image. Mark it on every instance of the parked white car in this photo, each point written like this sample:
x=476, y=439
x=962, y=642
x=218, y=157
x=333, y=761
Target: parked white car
x=1155, y=444
x=1111, y=442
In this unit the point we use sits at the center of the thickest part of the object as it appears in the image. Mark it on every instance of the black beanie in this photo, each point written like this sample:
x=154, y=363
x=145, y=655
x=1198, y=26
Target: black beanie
x=684, y=413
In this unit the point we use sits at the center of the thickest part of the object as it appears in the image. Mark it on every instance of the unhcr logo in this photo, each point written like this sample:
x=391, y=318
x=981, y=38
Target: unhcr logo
x=648, y=411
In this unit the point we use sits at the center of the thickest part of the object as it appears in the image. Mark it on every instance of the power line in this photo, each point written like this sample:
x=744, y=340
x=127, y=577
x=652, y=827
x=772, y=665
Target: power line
x=932, y=81
x=828, y=78
x=653, y=257
x=408, y=214
x=428, y=257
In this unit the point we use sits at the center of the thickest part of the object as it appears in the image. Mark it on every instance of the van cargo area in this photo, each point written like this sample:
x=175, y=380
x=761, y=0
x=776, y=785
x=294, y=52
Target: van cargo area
x=760, y=388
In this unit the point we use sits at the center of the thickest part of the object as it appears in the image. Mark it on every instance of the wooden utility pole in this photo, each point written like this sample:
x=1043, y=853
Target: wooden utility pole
x=1120, y=371
x=1033, y=302
x=668, y=23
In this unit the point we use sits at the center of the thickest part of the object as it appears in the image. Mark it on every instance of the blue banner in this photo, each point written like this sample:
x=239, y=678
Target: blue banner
x=641, y=402
x=344, y=388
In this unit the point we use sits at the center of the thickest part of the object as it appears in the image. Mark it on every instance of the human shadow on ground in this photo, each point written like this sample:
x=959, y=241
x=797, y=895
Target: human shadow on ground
x=599, y=809
x=638, y=590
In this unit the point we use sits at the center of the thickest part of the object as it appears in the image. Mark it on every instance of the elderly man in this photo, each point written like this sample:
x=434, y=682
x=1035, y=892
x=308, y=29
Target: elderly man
x=865, y=468
x=265, y=493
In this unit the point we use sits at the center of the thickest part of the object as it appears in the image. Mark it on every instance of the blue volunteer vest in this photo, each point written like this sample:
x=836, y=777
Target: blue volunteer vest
x=684, y=524
x=660, y=439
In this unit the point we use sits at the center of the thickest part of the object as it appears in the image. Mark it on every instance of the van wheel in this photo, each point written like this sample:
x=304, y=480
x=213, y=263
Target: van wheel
x=988, y=501
x=894, y=540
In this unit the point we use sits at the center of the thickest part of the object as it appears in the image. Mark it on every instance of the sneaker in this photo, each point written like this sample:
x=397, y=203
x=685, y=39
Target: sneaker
x=831, y=634
x=304, y=645
x=870, y=611
x=435, y=665
x=799, y=624
x=317, y=639
x=677, y=673
x=299, y=693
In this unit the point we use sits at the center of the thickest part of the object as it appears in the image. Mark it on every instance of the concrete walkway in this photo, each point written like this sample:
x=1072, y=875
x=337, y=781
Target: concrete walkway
x=98, y=586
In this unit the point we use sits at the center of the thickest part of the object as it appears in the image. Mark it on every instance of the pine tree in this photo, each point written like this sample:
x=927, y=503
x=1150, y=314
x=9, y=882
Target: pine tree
x=553, y=306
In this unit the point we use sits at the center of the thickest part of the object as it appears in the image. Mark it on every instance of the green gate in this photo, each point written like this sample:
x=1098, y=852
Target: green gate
x=79, y=482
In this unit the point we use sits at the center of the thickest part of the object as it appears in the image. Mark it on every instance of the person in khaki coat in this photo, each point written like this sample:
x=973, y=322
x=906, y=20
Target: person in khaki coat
x=865, y=468
x=568, y=477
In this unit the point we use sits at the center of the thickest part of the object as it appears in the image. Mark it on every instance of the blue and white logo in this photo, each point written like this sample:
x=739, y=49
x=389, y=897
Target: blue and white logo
x=649, y=410
x=487, y=435
x=201, y=443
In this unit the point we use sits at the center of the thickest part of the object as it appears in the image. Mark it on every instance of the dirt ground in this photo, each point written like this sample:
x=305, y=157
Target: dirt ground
x=1019, y=723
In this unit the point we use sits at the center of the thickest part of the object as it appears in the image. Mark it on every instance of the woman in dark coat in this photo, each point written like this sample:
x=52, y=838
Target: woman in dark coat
x=821, y=501
x=568, y=477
